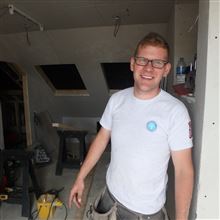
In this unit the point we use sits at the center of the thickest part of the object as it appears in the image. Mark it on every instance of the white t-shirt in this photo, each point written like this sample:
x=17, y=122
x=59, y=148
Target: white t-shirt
x=143, y=133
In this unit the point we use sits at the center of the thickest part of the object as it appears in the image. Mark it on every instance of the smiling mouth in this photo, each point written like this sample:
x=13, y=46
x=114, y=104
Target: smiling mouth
x=147, y=77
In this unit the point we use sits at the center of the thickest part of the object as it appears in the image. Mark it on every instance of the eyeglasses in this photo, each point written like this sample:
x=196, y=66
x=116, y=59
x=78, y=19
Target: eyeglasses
x=142, y=61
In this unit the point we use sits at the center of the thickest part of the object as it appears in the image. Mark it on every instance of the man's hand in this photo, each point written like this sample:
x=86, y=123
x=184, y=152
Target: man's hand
x=76, y=193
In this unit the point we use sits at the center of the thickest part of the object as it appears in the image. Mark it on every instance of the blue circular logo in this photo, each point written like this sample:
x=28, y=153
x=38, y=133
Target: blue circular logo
x=151, y=126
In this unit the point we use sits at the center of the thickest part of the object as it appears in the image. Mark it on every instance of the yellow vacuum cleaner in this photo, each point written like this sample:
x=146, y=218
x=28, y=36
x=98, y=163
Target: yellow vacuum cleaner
x=46, y=205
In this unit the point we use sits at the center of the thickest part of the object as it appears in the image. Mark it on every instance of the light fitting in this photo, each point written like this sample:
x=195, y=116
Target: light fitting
x=117, y=24
x=12, y=10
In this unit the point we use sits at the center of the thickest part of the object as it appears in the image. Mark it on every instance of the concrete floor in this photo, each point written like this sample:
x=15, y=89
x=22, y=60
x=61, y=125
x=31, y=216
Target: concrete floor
x=49, y=180
x=98, y=181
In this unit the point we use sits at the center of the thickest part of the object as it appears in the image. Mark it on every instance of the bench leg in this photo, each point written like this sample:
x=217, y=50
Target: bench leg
x=59, y=165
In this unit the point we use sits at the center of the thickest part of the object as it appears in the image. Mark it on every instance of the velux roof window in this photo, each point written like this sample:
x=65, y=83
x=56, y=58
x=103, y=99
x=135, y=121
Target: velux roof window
x=63, y=79
x=118, y=76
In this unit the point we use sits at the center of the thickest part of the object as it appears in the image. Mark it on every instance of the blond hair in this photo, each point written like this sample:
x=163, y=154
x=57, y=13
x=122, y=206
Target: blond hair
x=152, y=39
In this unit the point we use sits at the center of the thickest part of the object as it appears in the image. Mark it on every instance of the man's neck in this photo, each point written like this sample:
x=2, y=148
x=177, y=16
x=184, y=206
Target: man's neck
x=144, y=95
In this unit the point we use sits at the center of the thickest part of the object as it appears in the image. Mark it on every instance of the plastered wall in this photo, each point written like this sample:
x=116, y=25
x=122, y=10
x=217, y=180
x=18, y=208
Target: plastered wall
x=86, y=48
x=185, y=33
x=1, y=130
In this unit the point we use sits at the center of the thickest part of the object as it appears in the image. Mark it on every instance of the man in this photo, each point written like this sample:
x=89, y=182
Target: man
x=146, y=126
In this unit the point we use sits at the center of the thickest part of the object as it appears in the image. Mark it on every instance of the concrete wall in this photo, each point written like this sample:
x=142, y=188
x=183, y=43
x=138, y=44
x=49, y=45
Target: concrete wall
x=86, y=48
x=171, y=41
x=185, y=33
x=1, y=129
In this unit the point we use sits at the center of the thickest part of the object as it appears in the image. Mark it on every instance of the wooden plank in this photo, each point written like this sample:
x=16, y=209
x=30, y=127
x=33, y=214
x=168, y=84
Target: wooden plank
x=26, y=104
x=65, y=127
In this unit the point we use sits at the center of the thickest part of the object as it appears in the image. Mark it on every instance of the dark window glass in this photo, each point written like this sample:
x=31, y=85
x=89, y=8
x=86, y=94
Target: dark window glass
x=64, y=77
x=118, y=75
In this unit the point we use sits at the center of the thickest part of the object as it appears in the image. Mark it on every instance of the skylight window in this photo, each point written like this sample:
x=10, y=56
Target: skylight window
x=63, y=79
x=118, y=75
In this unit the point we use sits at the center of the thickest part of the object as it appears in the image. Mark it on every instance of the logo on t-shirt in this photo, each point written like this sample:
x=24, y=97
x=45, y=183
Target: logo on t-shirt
x=151, y=126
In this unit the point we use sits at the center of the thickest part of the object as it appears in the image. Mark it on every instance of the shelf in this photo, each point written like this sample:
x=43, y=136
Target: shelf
x=183, y=93
x=189, y=99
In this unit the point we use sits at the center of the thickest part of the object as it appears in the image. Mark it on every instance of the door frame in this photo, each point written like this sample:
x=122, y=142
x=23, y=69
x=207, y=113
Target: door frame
x=25, y=91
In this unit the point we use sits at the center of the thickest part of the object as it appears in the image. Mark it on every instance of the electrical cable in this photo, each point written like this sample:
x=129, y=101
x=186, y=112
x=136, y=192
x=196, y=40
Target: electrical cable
x=12, y=10
x=117, y=25
x=55, y=193
x=27, y=36
x=32, y=217
x=51, y=205
x=65, y=211
x=194, y=24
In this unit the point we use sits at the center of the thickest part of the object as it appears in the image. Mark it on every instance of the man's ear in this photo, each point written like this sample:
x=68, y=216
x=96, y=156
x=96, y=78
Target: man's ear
x=167, y=70
x=132, y=64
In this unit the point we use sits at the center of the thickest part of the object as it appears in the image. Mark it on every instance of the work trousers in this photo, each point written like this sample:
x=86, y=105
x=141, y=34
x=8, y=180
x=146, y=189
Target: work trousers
x=107, y=201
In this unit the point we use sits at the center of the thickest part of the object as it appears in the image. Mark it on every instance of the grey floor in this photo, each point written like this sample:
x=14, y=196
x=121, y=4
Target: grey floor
x=50, y=180
x=98, y=180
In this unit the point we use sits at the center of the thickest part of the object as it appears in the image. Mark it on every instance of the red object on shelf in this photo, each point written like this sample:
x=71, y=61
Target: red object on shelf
x=3, y=184
x=180, y=89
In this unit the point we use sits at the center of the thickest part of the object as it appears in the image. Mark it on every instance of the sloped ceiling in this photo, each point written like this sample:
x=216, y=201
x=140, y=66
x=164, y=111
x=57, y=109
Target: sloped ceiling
x=65, y=14
x=74, y=29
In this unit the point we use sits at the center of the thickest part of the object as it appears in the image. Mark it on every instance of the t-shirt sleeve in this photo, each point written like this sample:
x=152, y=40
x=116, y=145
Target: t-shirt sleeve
x=106, y=119
x=180, y=131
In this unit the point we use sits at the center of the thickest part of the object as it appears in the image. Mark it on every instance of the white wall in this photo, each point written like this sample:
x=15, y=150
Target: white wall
x=207, y=111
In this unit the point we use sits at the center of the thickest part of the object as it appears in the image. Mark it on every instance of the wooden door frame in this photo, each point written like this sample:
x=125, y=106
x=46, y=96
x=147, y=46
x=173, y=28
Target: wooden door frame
x=24, y=79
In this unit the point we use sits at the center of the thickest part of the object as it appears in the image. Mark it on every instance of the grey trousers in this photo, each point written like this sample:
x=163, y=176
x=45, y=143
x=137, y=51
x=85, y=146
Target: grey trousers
x=107, y=201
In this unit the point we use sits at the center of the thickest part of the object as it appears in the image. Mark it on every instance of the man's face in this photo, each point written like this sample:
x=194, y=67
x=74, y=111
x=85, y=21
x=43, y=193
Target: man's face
x=147, y=78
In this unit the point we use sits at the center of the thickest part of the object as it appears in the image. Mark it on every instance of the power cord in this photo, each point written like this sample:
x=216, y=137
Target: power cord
x=32, y=217
x=51, y=207
x=66, y=213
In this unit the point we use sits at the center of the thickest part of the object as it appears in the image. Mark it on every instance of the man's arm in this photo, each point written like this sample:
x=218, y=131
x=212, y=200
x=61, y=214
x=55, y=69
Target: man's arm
x=184, y=178
x=95, y=151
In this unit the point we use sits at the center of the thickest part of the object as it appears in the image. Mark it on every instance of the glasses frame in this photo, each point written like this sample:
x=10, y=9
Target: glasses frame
x=151, y=61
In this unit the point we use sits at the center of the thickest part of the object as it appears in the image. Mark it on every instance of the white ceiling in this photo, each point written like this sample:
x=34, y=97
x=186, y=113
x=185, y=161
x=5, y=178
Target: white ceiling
x=62, y=14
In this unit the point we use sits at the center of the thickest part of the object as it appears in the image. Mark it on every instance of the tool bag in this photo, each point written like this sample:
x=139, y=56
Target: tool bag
x=93, y=214
x=111, y=214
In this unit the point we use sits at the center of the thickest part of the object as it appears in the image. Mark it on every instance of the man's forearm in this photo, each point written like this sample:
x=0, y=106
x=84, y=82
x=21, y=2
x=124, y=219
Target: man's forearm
x=95, y=151
x=183, y=194
x=90, y=161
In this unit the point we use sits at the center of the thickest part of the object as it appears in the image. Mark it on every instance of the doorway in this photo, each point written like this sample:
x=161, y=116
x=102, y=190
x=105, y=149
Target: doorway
x=14, y=107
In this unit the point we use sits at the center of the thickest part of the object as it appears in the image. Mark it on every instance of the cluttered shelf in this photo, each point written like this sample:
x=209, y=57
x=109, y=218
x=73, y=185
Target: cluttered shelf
x=184, y=83
x=188, y=98
x=183, y=93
